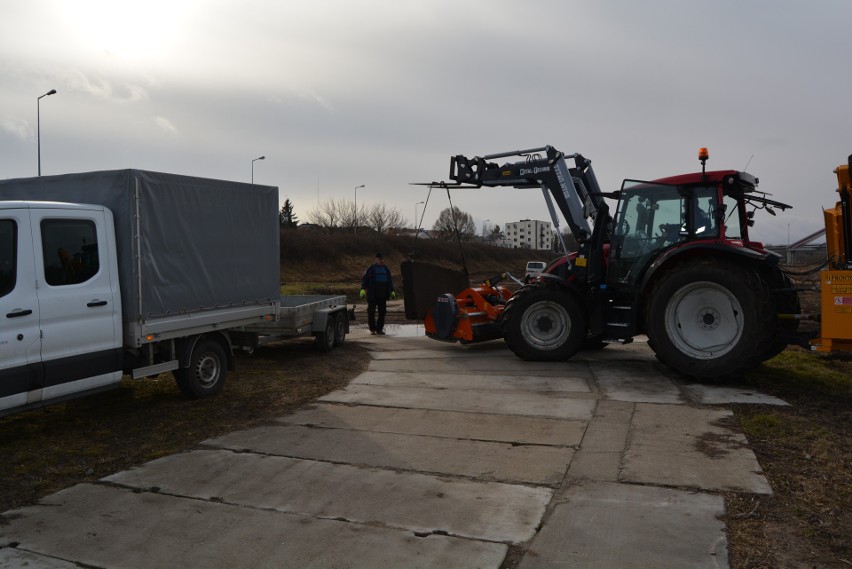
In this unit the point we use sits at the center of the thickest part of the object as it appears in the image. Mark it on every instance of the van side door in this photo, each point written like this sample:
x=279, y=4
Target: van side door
x=20, y=357
x=79, y=304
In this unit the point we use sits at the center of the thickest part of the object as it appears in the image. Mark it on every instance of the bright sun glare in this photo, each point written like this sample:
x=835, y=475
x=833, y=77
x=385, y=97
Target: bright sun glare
x=125, y=29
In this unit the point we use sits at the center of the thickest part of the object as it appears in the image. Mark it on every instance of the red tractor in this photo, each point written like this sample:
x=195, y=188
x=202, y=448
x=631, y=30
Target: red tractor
x=675, y=262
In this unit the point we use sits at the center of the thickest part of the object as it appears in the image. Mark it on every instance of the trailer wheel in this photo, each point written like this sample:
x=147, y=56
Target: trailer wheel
x=340, y=328
x=710, y=320
x=325, y=339
x=205, y=375
x=544, y=323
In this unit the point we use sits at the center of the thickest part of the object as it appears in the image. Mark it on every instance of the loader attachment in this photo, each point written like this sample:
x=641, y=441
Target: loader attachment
x=423, y=282
x=473, y=315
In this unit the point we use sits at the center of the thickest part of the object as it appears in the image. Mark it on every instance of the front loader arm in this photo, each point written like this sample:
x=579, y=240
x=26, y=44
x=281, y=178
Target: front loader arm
x=574, y=189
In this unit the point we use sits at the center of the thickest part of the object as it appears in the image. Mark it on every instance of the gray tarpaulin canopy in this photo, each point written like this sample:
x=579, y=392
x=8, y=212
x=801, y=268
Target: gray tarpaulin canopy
x=200, y=244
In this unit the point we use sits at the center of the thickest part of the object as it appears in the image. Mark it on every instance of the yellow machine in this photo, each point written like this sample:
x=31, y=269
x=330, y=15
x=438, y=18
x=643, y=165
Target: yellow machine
x=836, y=281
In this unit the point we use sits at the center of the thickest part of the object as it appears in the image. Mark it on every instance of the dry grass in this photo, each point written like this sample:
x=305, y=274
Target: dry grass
x=805, y=454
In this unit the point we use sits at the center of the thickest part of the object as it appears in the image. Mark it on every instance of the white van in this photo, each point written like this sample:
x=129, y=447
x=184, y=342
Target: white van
x=534, y=269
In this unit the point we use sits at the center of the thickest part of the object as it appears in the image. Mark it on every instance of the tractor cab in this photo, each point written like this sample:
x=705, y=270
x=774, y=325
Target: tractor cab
x=658, y=219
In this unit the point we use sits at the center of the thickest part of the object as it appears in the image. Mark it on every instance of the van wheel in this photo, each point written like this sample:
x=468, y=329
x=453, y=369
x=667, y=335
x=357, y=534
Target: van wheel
x=205, y=375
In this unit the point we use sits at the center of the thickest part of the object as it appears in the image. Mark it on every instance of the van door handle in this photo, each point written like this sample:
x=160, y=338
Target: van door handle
x=97, y=303
x=19, y=313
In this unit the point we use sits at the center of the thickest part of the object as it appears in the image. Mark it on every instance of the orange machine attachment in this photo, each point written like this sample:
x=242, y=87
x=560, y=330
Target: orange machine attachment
x=836, y=281
x=471, y=316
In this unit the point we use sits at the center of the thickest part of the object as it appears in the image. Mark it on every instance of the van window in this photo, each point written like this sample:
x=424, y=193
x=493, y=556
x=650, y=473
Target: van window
x=70, y=250
x=8, y=255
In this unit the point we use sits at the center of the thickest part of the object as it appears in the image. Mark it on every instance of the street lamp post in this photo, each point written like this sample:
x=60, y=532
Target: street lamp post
x=252, y=166
x=356, y=207
x=38, y=125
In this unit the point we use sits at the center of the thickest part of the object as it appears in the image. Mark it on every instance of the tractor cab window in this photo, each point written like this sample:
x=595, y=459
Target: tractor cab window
x=705, y=212
x=733, y=229
x=652, y=217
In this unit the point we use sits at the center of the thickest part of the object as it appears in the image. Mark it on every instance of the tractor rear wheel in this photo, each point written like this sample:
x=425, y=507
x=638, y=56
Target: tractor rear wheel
x=710, y=320
x=544, y=322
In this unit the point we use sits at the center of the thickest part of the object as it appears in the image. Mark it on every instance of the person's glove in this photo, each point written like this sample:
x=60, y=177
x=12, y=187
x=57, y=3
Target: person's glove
x=362, y=293
x=393, y=294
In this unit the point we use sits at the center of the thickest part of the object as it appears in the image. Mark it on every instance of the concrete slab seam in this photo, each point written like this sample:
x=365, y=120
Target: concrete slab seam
x=367, y=523
x=437, y=474
x=432, y=436
x=14, y=546
x=627, y=440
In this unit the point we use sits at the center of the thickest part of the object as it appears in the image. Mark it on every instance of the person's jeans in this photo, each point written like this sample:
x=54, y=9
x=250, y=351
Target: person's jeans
x=372, y=305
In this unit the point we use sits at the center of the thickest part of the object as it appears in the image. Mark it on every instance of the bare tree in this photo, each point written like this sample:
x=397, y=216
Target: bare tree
x=328, y=214
x=349, y=219
x=452, y=222
x=381, y=217
x=332, y=214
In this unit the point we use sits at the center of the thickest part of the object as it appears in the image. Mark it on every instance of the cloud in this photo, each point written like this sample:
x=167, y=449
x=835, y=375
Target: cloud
x=76, y=80
x=166, y=125
x=305, y=95
x=17, y=126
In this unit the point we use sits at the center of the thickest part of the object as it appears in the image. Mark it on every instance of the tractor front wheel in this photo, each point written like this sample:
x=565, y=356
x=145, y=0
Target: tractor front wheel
x=709, y=320
x=544, y=322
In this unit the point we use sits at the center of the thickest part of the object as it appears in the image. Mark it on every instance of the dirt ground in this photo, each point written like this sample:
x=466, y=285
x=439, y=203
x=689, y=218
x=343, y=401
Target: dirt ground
x=803, y=449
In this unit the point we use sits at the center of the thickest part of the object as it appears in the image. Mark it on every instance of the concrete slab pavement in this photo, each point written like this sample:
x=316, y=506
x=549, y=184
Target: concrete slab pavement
x=482, y=460
x=103, y=526
x=623, y=526
x=437, y=456
x=636, y=382
x=404, y=500
x=448, y=424
x=552, y=404
x=494, y=381
x=689, y=447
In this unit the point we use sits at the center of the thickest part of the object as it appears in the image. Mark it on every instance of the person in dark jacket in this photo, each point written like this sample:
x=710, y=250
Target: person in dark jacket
x=377, y=287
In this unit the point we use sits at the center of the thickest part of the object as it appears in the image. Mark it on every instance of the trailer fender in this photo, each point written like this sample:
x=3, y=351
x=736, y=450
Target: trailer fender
x=186, y=345
x=323, y=315
x=330, y=326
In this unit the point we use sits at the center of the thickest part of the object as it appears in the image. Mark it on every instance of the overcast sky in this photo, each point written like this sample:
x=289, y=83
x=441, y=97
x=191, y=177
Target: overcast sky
x=337, y=94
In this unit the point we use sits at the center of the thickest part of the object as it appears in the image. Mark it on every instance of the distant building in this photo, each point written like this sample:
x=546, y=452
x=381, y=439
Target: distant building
x=529, y=234
x=407, y=232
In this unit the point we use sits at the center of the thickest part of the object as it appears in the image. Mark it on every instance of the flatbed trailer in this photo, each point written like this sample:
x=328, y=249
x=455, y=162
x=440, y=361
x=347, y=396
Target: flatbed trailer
x=325, y=317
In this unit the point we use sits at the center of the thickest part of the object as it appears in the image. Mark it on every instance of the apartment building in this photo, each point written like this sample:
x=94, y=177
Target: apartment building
x=529, y=234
